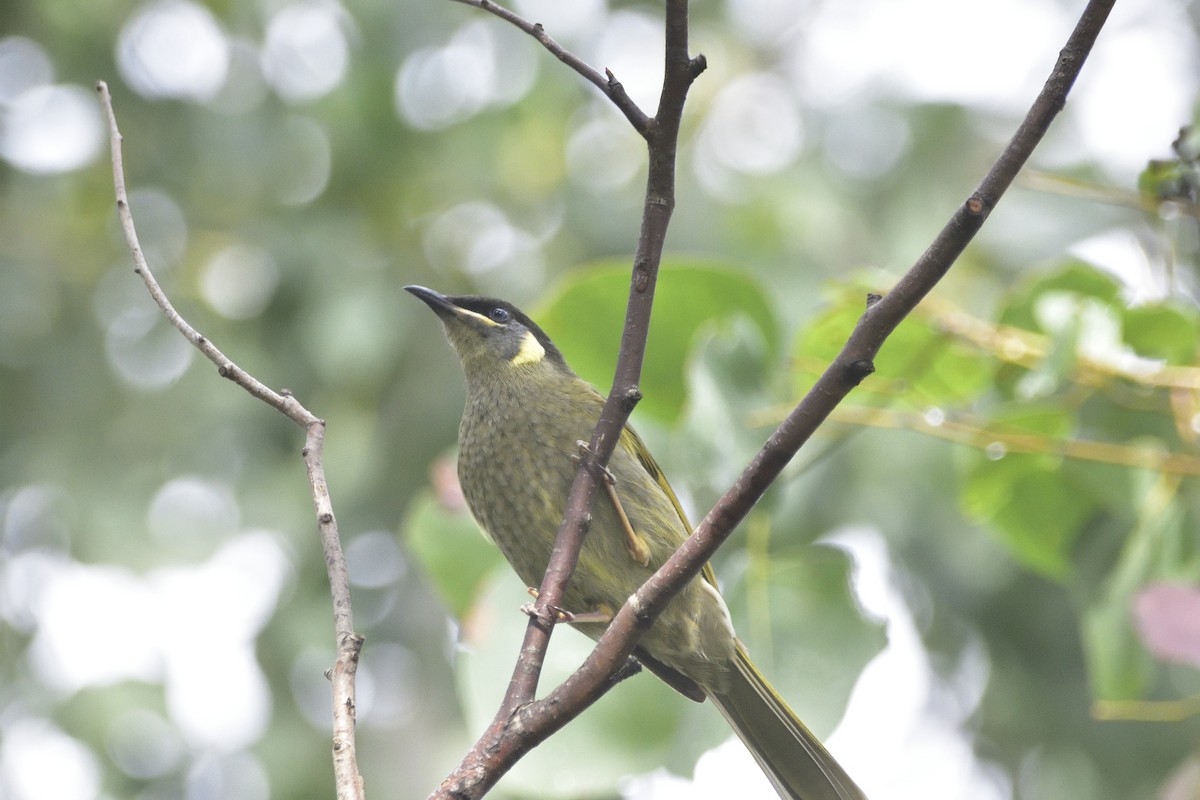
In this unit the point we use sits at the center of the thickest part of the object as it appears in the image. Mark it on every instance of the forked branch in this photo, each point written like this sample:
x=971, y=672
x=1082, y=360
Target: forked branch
x=523, y=722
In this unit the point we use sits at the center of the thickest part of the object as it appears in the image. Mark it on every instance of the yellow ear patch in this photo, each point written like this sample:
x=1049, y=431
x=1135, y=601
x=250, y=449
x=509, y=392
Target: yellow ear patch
x=531, y=351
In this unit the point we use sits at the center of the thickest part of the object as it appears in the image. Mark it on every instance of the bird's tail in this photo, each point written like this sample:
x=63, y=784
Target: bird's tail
x=799, y=766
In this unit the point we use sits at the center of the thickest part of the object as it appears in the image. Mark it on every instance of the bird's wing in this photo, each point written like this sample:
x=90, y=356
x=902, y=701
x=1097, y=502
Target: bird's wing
x=634, y=442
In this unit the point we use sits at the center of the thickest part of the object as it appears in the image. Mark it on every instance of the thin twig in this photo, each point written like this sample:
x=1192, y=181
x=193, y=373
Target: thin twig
x=348, y=780
x=606, y=82
x=982, y=436
x=1146, y=710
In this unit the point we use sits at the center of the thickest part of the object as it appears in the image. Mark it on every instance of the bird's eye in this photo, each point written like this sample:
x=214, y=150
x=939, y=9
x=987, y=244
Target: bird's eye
x=500, y=315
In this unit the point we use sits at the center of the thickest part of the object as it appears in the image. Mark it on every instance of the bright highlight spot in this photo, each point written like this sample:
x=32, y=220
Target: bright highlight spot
x=630, y=44
x=305, y=54
x=143, y=744
x=23, y=66
x=239, y=281
x=305, y=150
x=192, y=508
x=192, y=628
x=480, y=67
x=479, y=238
x=753, y=128
x=145, y=350
x=604, y=154
x=50, y=129
x=374, y=560
x=173, y=49
x=37, y=761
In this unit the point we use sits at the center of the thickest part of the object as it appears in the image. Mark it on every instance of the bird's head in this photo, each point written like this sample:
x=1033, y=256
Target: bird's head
x=490, y=336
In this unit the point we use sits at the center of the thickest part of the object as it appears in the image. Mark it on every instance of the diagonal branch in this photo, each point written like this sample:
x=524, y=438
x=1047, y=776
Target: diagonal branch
x=345, y=761
x=522, y=723
x=606, y=83
x=852, y=365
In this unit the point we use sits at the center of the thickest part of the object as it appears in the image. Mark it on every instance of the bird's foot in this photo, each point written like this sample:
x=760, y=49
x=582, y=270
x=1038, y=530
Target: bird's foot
x=635, y=544
x=585, y=449
x=601, y=614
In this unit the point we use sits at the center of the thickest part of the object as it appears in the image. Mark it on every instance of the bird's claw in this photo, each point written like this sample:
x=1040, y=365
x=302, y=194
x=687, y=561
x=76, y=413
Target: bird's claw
x=584, y=449
x=601, y=614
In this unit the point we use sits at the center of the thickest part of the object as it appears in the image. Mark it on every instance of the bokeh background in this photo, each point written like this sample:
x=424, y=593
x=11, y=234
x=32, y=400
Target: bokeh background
x=980, y=578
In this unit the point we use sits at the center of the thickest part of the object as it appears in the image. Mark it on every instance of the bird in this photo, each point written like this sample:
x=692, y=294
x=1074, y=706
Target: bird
x=525, y=417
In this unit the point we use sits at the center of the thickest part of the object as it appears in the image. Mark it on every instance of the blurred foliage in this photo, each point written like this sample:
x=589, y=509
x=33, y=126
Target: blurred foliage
x=695, y=295
x=1027, y=448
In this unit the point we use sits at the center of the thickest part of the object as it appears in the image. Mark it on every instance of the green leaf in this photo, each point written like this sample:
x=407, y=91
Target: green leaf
x=1162, y=179
x=1160, y=548
x=1035, y=512
x=452, y=550
x=727, y=378
x=937, y=368
x=1074, y=277
x=585, y=313
x=1118, y=667
x=1046, y=420
x=1162, y=331
x=1079, y=308
x=920, y=363
x=823, y=337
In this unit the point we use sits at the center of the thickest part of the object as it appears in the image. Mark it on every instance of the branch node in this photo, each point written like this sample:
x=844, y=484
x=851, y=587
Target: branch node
x=975, y=205
x=641, y=276
x=697, y=65
x=325, y=518
x=630, y=668
x=640, y=611
x=226, y=370
x=856, y=371
x=633, y=395
x=873, y=298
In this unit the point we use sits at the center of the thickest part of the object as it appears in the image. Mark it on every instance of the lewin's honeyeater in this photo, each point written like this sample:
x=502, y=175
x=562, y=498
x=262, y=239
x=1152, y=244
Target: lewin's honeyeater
x=525, y=414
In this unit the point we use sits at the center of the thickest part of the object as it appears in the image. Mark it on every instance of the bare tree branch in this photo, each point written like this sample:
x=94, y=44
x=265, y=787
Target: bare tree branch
x=523, y=722
x=852, y=365
x=345, y=761
x=606, y=83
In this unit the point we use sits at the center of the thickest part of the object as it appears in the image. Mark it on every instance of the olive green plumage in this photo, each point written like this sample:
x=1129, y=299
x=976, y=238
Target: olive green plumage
x=525, y=413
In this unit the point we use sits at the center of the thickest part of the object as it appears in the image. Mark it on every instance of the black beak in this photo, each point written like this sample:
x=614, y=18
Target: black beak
x=441, y=305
